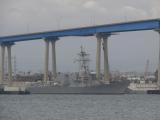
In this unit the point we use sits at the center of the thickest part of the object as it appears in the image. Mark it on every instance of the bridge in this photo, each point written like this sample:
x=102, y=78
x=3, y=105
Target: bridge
x=101, y=32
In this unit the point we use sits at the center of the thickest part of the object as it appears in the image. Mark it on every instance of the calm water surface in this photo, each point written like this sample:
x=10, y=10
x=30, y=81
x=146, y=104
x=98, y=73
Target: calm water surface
x=80, y=107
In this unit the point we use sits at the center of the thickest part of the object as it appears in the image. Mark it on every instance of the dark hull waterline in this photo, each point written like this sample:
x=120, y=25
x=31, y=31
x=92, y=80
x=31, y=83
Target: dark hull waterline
x=113, y=88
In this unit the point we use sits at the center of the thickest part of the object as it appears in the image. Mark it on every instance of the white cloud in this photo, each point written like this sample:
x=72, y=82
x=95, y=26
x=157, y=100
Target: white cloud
x=155, y=9
x=90, y=4
x=93, y=5
x=135, y=13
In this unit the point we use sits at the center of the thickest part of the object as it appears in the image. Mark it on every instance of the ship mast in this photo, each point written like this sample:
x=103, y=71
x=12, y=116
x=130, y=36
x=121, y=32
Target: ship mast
x=83, y=60
x=146, y=70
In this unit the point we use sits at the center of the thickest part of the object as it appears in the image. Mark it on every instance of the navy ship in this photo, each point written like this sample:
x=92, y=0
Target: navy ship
x=85, y=82
x=117, y=87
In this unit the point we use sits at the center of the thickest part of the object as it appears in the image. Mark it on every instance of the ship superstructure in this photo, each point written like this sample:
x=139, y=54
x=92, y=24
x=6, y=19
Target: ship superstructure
x=84, y=72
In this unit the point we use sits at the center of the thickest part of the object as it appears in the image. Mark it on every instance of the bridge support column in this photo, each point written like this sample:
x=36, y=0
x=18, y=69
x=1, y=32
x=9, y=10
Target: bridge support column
x=8, y=45
x=106, y=63
x=158, y=81
x=98, y=57
x=9, y=63
x=2, y=63
x=54, y=67
x=103, y=36
x=46, y=60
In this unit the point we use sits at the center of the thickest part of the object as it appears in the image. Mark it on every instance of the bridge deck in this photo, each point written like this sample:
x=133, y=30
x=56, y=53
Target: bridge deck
x=86, y=31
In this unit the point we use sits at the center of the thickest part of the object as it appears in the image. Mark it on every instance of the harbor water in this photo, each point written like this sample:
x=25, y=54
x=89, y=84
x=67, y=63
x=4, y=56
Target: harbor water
x=79, y=107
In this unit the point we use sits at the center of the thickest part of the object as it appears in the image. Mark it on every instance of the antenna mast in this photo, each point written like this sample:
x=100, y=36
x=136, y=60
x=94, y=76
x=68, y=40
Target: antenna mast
x=83, y=60
x=146, y=70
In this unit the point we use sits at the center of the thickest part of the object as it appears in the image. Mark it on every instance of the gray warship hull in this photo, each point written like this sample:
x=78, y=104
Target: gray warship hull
x=118, y=87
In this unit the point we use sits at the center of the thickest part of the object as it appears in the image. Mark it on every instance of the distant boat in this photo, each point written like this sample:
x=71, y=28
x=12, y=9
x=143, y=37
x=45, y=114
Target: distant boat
x=142, y=87
x=13, y=90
